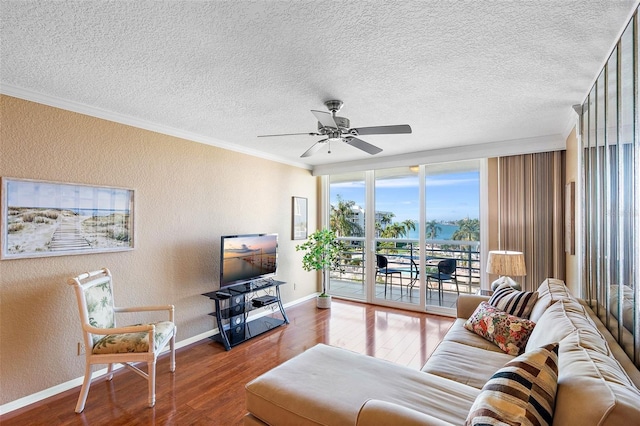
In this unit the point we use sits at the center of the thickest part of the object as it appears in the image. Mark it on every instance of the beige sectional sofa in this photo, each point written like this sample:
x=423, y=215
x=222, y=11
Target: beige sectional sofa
x=597, y=384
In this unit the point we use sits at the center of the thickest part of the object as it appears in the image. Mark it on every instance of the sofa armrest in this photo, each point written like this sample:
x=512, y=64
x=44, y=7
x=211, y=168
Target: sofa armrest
x=382, y=413
x=467, y=303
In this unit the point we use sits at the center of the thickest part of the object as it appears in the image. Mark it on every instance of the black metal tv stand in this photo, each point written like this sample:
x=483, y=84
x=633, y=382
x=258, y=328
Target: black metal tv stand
x=232, y=307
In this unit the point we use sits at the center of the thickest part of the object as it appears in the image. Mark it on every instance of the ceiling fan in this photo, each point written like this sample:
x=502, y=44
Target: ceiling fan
x=337, y=129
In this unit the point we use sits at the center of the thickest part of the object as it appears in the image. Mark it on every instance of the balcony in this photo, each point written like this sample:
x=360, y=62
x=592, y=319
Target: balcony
x=349, y=280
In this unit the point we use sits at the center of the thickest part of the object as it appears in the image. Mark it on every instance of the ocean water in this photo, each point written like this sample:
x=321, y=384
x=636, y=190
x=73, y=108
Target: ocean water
x=445, y=234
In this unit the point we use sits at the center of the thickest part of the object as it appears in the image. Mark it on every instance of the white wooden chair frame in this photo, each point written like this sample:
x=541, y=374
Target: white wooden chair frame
x=88, y=279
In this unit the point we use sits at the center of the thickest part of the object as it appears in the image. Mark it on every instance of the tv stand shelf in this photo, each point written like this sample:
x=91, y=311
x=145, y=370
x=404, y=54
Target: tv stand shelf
x=234, y=326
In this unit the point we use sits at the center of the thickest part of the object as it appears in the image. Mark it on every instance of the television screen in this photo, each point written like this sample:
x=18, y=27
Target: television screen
x=247, y=257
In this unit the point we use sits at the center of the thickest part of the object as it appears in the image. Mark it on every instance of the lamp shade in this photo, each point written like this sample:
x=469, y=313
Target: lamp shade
x=506, y=263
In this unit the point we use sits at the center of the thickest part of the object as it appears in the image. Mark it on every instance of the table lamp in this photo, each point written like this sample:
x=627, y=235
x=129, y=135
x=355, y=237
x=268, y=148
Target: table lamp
x=506, y=264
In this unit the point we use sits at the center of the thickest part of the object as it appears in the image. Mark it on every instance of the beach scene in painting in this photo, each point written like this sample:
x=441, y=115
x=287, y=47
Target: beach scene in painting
x=45, y=218
x=248, y=257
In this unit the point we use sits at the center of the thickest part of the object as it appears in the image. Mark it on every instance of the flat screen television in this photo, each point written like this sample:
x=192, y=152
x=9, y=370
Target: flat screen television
x=246, y=258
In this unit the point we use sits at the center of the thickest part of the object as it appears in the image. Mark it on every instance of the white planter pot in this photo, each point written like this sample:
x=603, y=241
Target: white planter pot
x=323, y=302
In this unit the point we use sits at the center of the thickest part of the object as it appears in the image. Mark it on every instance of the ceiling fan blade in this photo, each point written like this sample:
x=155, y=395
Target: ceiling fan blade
x=365, y=146
x=325, y=118
x=383, y=130
x=314, y=148
x=289, y=134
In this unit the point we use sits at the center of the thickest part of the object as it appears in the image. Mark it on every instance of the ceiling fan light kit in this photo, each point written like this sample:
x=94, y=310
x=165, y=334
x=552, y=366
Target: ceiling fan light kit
x=338, y=129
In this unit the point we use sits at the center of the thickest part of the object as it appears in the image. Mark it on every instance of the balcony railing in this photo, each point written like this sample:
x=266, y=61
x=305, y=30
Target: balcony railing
x=466, y=253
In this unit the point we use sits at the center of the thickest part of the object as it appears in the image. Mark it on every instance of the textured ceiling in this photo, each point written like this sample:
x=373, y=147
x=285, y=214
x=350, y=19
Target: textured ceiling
x=222, y=72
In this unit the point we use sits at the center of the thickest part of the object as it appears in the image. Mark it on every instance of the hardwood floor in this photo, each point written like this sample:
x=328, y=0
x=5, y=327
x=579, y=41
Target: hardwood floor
x=208, y=385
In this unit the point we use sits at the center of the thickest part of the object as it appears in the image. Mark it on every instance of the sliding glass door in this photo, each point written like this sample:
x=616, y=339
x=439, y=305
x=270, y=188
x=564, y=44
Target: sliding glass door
x=396, y=239
x=452, y=232
x=401, y=227
x=347, y=201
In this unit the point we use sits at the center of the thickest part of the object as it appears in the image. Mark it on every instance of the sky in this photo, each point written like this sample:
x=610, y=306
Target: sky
x=238, y=246
x=66, y=196
x=450, y=196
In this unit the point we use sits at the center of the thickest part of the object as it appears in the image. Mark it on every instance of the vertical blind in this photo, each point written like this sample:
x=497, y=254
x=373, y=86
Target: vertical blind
x=611, y=187
x=531, y=209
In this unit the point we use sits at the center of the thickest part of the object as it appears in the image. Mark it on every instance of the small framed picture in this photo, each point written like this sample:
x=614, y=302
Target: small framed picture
x=41, y=218
x=299, y=225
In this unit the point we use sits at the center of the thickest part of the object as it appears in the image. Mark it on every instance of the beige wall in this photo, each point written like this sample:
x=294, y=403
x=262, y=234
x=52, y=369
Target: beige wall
x=186, y=195
x=572, y=273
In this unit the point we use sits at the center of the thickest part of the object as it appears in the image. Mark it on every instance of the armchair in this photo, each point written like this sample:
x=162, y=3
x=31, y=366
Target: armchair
x=106, y=343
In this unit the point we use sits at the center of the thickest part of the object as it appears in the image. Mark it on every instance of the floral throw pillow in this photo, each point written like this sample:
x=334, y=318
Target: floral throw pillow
x=508, y=332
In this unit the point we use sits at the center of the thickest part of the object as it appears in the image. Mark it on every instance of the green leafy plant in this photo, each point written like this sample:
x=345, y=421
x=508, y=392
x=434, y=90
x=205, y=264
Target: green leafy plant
x=322, y=252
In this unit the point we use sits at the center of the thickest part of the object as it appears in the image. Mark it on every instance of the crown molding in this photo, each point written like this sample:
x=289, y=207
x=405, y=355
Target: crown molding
x=571, y=123
x=468, y=152
x=81, y=108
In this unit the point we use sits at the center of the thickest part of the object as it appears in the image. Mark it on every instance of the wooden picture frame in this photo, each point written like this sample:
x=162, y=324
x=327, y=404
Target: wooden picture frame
x=43, y=218
x=299, y=224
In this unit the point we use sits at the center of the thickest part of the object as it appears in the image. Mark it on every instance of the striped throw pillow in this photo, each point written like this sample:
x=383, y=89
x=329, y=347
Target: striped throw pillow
x=514, y=302
x=522, y=392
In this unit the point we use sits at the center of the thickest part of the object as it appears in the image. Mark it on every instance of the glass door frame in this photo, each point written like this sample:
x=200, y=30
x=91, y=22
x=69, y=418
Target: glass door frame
x=370, y=238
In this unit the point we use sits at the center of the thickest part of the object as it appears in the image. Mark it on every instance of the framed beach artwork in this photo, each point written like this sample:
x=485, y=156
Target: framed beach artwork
x=299, y=218
x=41, y=218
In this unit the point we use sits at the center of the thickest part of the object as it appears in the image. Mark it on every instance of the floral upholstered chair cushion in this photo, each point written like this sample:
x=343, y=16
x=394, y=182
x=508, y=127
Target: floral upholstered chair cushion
x=99, y=299
x=133, y=342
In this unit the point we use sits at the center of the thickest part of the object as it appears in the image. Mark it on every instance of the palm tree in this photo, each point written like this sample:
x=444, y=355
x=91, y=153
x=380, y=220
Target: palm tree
x=409, y=225
x=340, y=219
x=386, y=219
x=396, y=230
x=468, y=230
x=432, y=229
x=381, y=225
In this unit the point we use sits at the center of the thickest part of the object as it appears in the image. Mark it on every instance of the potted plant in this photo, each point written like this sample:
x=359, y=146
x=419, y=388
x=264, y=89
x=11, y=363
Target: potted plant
x=322, y=253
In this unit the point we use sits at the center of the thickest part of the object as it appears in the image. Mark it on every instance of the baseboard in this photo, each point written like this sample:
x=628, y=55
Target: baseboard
x=62, y=387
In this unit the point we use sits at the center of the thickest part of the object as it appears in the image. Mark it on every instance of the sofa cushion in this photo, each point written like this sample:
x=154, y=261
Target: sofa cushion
x=563, y=318
x=328, y=385
x=466, y=364
x=616, y=350
x=549, y=292
x=382, y=413
x=593, y=389
x=459, y=334
x=514, y=302
x=522, y=392
x=507, y=331
x=627, y=304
